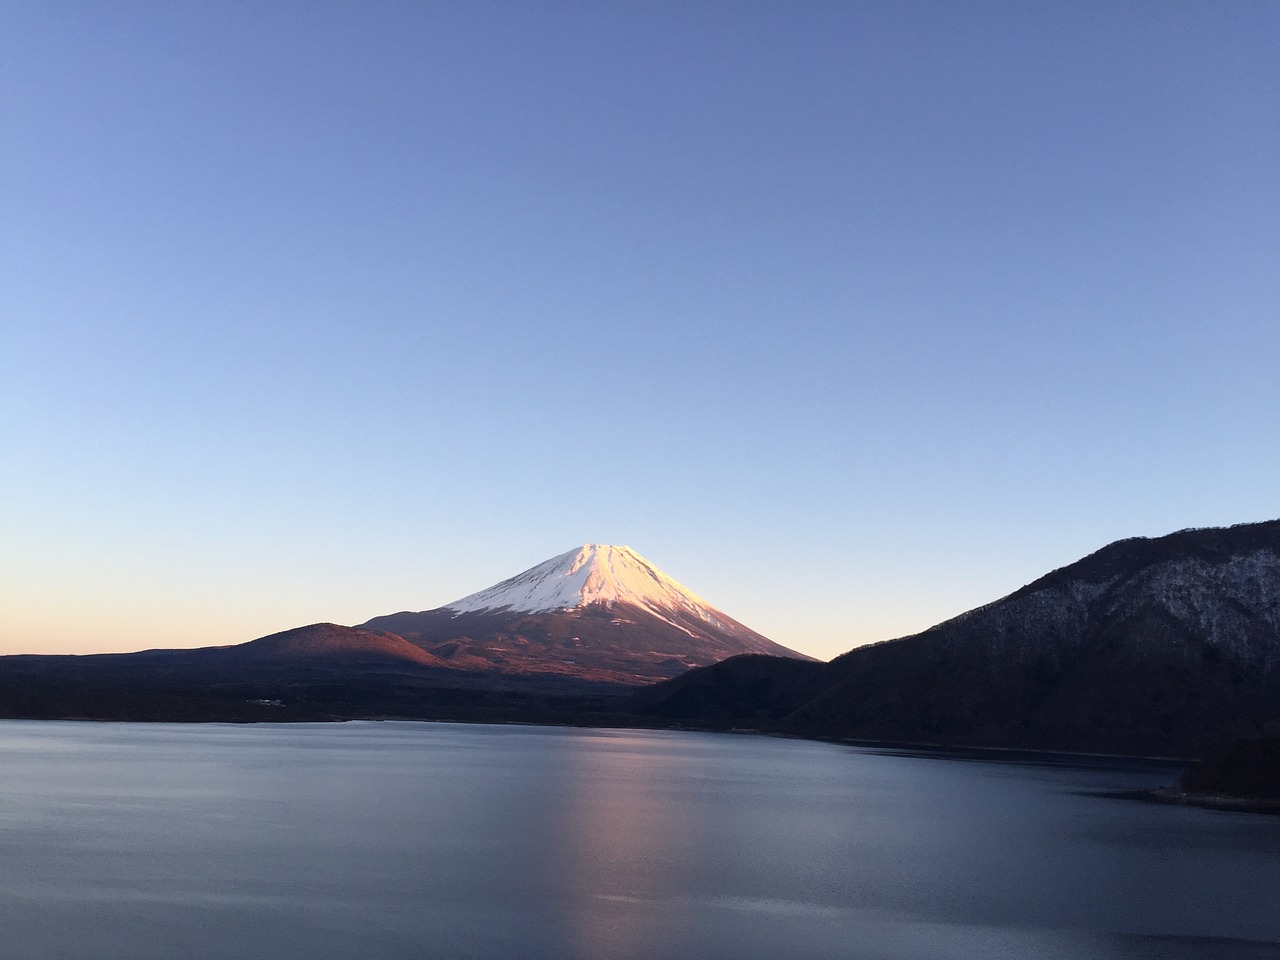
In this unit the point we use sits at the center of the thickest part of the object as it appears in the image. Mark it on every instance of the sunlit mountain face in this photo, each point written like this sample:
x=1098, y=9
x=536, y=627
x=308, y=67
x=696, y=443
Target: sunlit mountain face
x=597, y=612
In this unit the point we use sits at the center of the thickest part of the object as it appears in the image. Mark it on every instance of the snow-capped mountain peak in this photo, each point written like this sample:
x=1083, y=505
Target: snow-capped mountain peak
x=590, y=574
x=598, y=612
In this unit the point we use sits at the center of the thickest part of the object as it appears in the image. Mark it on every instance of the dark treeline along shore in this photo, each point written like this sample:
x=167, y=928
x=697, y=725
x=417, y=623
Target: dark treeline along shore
x=1165, y=646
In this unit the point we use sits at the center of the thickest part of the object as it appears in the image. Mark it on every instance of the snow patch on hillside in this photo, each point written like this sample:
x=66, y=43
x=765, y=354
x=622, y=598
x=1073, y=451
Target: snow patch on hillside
x=1185, y=602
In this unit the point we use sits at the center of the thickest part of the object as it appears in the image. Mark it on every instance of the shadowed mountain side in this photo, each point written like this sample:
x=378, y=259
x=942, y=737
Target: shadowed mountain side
x=1247, y=768
x=1168, y=645
x=749, y=691
x=1106, y=699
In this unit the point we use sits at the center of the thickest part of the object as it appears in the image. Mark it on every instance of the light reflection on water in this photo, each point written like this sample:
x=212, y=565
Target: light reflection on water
x=417, y=840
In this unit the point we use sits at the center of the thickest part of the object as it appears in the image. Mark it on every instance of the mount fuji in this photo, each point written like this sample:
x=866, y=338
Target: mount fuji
x=597, y=612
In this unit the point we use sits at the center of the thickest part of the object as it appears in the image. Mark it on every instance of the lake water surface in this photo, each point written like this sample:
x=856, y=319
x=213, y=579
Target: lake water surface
x=413, y=840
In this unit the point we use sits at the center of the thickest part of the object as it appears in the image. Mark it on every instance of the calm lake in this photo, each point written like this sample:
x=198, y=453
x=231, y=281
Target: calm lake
x=414, y=840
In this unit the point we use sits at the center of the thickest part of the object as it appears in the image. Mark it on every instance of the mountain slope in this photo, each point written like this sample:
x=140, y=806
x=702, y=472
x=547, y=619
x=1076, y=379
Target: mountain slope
x=1169, y=644
x=326, y=643
x=321, y=671
x=596, y=612
x=752, y=691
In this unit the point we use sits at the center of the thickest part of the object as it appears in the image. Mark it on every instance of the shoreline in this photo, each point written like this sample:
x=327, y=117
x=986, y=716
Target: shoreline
x=1165, y=796
x=1173, y=796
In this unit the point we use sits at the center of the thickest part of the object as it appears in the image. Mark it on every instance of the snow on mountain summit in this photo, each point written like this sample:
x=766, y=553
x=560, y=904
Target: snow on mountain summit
x=592, y=573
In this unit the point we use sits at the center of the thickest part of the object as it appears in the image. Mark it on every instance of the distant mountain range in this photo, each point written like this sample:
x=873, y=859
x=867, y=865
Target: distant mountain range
x=1164, y=645
x=1168, y=645
x=546, y=644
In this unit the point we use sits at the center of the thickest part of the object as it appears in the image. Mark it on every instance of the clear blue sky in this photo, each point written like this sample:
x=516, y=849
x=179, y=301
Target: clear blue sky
x=850, y=316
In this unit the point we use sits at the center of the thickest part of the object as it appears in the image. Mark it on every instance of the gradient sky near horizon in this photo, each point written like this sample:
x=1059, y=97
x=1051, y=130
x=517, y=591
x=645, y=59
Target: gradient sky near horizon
x=849, y=316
